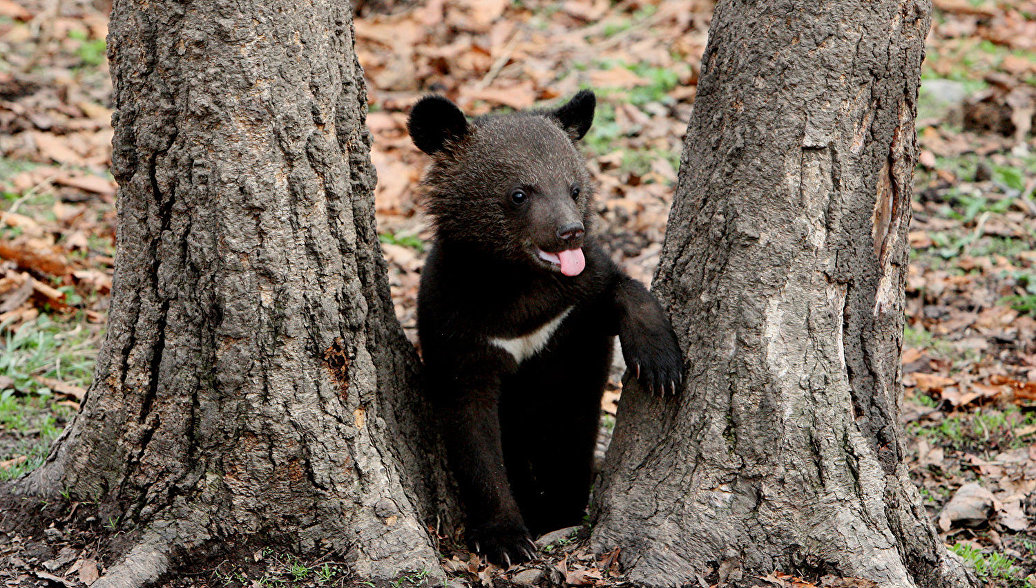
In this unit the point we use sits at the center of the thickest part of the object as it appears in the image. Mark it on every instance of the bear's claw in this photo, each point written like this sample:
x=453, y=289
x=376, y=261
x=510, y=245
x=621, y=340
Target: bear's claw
x=503, y=546
x=654, y=354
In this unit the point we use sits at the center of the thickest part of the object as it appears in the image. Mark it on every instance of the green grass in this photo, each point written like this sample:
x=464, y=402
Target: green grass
x=1026, y=302
x=90, y=51
x=62, y=350
x=604, y=133
x=661, y=81
x=995, y=569
x=270, y=568
x=1009, y=177
x=10, y=168
x=984, y=430
x=639, y=161
x=30, y=419
x=299, y=571
x=925, y=400
x=29, y=426
x=325, y=573
x=919, y=337
x=415, y=578
x=411, y=241
x=1008, y=247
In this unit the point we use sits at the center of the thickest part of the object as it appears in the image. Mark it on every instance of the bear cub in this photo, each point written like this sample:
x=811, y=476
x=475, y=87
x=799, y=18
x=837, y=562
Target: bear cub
x=517, y=312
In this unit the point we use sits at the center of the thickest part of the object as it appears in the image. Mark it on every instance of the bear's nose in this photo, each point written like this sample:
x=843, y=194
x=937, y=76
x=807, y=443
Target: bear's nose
x=570, y=231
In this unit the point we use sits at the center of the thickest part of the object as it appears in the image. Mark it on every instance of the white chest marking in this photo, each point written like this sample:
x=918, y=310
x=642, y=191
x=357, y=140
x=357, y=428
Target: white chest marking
x=524, y=347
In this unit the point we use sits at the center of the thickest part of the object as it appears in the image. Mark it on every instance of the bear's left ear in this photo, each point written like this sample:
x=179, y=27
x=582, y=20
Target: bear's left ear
x=577, y=114
x=435, y=124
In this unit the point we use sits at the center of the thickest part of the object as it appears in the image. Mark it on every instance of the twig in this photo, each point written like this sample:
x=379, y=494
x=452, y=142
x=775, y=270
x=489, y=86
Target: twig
x=30, y=193
x=45, y=35
x=1026, y=197
x=976, y=234
x=505, y=56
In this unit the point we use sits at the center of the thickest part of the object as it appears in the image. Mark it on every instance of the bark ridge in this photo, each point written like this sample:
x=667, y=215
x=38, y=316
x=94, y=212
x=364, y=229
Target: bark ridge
x=783, y=270
x=254, y=381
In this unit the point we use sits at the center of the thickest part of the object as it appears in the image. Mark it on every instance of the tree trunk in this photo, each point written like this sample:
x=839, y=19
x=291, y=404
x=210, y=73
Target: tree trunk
x=254, y=381
x=783, y=269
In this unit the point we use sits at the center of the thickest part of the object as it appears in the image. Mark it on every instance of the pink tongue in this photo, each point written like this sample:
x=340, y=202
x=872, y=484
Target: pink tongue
x=572, y=261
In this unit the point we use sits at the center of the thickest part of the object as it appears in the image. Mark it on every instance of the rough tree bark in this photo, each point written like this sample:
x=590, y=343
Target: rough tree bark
x=254, y=381
x=783, y=269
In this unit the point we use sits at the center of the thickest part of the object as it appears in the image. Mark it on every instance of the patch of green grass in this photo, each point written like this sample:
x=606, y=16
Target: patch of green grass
x=1009, y=247
x=62, y=350
x=919, y=337
x=1009, y=177
x=993, y=568
x=90, y=51
x=929, y=498
x=298, y=570
x=411, y=241
x=325, y=573
x=966, y=207
x=1026, y=302
x=925, y=400
x=1022, y=303
x=639, y=161
x=982, y=430
x=279, y=569
x=661, y=81
x=616, y=26
x=567, y=540
x=605, y=131
x=608, y=421
x=613, y=27
x=10, y=168
x=950, y=245
x=415, y=578
x=30, y=426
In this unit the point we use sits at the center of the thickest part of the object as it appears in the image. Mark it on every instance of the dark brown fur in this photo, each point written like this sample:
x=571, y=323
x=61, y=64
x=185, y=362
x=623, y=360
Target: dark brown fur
x=520, y=436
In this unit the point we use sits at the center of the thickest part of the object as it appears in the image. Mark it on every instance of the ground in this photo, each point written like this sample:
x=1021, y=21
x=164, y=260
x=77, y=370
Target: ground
x=969, y=361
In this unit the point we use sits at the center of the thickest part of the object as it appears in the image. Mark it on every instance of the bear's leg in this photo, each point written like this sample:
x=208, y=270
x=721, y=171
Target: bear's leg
x=468, y=407
x=550, y=449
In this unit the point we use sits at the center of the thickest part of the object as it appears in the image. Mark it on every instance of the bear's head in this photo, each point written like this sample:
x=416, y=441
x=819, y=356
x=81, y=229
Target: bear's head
x=513, y=185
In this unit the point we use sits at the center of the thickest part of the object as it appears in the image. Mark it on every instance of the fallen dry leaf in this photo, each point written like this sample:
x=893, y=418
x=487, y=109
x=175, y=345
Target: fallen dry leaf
x=52, y=296
x=616, y=77
x=35, y=254
x=969, y=507
x=56, y=148
x=95, y=184
x=14, y=10
x=10, y=463
x=17, y=295
x=88, y=573
x=933, y=382
x=1011, y=515
x=62, y=388
x=518, y=96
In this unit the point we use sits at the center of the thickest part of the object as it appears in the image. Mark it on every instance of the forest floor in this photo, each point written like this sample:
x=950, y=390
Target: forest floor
x=969, y=360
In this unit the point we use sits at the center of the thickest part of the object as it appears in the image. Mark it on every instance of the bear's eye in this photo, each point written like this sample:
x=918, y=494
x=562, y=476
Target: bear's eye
x=518, y=196
x=575, y=192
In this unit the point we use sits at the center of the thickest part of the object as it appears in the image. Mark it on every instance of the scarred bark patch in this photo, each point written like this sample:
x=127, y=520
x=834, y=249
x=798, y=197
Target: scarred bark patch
x=338, y=359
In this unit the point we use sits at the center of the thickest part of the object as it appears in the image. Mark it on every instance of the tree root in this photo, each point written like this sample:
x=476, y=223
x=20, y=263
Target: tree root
x=153, y=555
x=142, y=566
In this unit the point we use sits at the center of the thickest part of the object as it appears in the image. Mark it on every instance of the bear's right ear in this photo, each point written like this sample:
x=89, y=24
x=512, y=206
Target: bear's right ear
x=434, y=121
x=576, y=115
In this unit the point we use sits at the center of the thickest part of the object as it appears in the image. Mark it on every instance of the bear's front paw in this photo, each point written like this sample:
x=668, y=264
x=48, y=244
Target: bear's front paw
x=503, y=545
x=653, y=355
